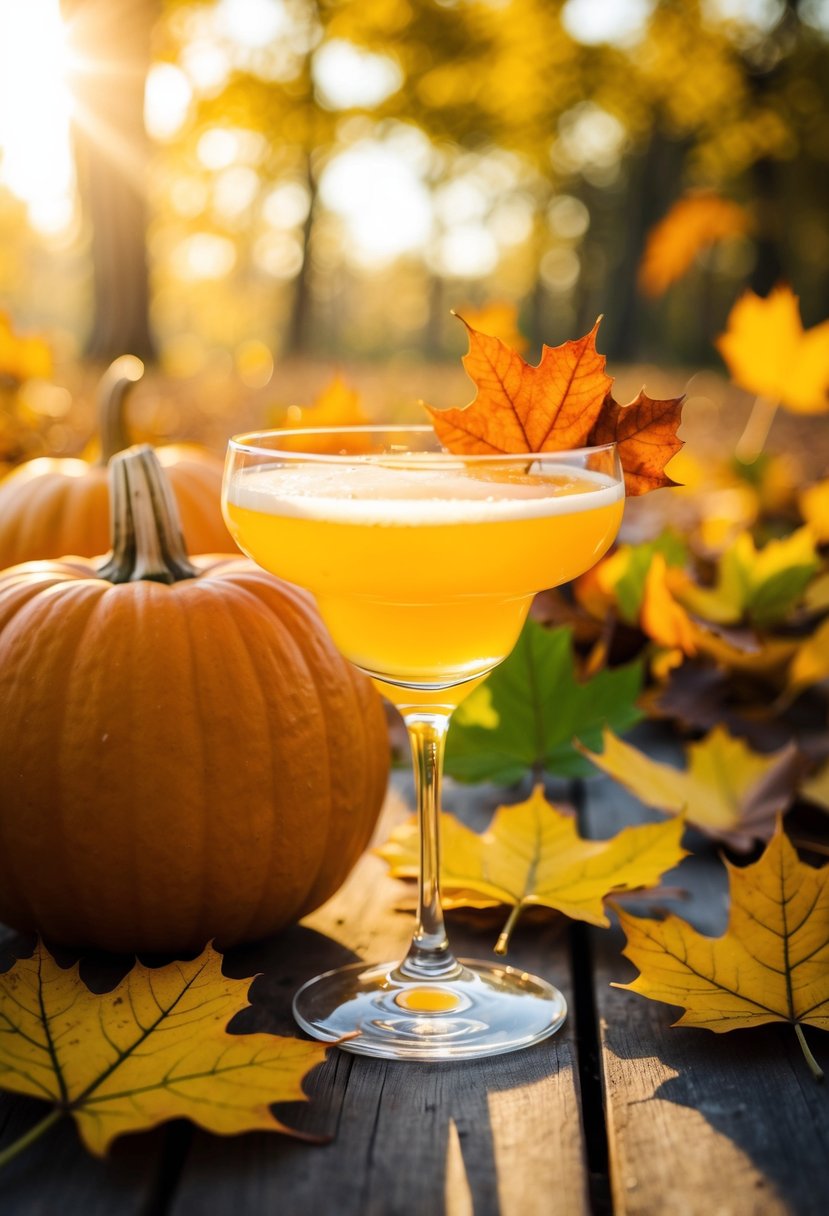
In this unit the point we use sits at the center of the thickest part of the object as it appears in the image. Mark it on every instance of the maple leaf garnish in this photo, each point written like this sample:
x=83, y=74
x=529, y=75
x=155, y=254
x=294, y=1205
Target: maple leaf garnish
x=155, y=1048
x=771, y=964
x=520, y=407
x=645, y=435
x=532, y=854
x=562, y=402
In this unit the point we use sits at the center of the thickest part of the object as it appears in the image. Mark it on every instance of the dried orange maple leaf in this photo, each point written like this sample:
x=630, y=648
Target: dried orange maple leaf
x=645, y=434
x=154, y=1048
x=562, y=402
x=520, y=407
x=771, y=964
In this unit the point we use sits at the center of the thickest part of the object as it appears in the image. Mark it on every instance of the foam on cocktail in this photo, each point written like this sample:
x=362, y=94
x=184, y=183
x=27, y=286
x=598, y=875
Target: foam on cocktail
x=373, y=494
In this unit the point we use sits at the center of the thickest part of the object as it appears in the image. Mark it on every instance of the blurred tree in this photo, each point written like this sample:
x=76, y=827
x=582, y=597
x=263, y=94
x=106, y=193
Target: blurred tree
x=111, y=47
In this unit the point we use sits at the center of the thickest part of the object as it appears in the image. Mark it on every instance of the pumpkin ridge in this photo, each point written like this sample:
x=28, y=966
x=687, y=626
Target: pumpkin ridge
x=100, y=619
x=273, y=868
x=323, y=862
x=67, y=604
x=198, y=770
x=218, y=609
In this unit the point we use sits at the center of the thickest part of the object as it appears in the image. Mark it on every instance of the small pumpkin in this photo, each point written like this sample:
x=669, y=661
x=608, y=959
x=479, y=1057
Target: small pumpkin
x=51, y=506
x=184, y=754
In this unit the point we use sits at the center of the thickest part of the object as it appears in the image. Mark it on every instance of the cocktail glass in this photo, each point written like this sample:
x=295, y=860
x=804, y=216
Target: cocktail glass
x=424, y=565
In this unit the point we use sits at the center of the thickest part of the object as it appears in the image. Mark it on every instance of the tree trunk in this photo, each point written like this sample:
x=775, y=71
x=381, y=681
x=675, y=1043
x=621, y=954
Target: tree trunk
x=298, y=341
x=111, y=40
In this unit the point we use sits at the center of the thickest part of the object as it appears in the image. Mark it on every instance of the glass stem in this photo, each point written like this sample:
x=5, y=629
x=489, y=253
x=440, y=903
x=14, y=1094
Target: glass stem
x=429, y=955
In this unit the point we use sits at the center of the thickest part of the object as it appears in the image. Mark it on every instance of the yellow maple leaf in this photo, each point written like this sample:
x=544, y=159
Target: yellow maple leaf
x=771, y=964
x=768, y=352
x=727, y=791
x=337, y=405
x=814, y=507
x=661, y=616
x=154, y=1048
x=810, y=664
x=816, y=596
x=695, y=222
x=532, y=854
x=816, y=789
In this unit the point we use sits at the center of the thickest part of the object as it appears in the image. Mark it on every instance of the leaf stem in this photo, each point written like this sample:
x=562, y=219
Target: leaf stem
x=29, y=1137
x=816, y=1070
x=502, y=944
x=756, y=430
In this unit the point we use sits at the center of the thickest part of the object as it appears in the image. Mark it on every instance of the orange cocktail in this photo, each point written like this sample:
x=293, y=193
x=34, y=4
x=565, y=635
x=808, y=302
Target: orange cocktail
x=424, y=573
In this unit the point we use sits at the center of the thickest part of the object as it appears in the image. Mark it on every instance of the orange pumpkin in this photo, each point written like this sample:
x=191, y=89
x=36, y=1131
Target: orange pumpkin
x=183, y=754
x=51, y=506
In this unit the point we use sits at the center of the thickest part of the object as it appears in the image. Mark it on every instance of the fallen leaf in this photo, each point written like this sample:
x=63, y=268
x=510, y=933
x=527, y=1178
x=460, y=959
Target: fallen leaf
x=618, y=580
x=771, y=964
x=532, y=854
x=645, y=435
x=816, y=789
x=756, y=585
x=531, y=708
x=662, y=617
x=816, y=596
x=810, y=664
x=520, y=407
x=337, y=405
x=728, y=791
x=694, y=223
x=768, y=352
x=814, y=507
x=154, y=1048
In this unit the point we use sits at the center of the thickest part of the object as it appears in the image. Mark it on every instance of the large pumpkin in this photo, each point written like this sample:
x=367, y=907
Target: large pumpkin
x=56, y=505
x=183, y=752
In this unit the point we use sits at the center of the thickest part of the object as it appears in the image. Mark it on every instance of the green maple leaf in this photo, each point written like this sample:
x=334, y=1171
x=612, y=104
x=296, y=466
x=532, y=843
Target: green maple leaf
x=528, y=713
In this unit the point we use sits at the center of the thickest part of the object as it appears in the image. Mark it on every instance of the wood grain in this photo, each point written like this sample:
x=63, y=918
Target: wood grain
x=498, y=1137
x=700, y=1123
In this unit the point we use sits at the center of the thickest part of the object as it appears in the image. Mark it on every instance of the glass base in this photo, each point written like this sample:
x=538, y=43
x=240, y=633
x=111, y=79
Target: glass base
x=482, y=1009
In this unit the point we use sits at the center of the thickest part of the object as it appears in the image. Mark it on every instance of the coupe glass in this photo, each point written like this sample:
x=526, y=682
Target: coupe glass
x=424, y=565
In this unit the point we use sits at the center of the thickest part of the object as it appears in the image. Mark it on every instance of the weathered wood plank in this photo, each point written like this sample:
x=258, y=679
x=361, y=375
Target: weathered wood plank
x=697, y=1122
x=500, y=1136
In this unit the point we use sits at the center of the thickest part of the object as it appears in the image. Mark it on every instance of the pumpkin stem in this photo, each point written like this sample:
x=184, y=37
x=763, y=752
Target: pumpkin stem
x=147, y=541
x=116, y=385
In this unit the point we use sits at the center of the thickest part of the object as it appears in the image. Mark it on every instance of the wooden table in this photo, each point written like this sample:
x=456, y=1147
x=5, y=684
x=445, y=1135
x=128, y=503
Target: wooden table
x=617, y=1113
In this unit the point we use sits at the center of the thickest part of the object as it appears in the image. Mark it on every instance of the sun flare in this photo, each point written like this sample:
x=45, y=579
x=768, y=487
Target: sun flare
x=35, y=111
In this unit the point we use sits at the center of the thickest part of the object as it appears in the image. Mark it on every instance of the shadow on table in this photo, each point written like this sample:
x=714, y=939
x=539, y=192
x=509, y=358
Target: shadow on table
x=400, y=1134
x=752, y=1086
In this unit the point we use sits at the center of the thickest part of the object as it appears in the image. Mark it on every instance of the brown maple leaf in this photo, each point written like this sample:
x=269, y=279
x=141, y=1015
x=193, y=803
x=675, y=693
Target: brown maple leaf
x=521, y=407
x=645, y=436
